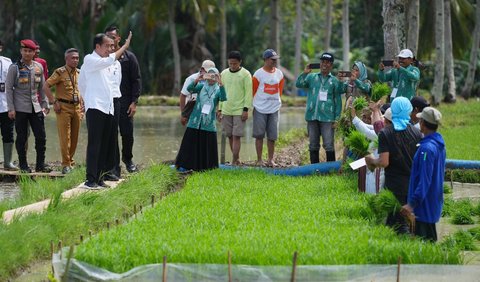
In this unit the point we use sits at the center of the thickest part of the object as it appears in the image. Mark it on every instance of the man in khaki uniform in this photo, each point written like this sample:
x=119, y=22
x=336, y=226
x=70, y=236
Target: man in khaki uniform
x=67, y=106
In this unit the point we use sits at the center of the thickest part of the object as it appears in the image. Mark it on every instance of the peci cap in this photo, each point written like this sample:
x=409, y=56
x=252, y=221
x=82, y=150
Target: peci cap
x=405, y=53
x=419, y=102
x=270, y=54
x=388, y=114
x=28, y=43
x=208, y=64
x=327, y=57
x=431, y=115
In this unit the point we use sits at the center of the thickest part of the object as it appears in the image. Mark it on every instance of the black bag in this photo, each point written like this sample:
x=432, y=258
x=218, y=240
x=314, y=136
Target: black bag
x=187, y=110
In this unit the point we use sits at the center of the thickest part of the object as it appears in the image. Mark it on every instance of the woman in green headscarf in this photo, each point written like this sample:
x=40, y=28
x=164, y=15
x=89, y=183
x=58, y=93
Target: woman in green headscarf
x=358, y=85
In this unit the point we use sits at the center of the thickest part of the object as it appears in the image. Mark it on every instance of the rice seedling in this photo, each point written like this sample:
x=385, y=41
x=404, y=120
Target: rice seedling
x=475, y=232
x=262, y=220
x=379, y=90
x=447, y=189
x=357, y=143
x=28, y=239
x=461, y=240
x=448, y=206
x=462, y=217
x=360, y=103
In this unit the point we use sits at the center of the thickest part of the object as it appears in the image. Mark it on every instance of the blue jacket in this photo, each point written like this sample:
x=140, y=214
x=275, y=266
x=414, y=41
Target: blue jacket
x=425, y=192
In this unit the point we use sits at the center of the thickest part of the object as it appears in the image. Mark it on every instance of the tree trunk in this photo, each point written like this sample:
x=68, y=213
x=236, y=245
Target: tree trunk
x=176, y=52
x=345, y=36
x=437, y=89
x=390, y=38
x=449, y=61
x=467, y=88
x=328, y=19
x=413, y=26
x=223, y=35
x=275, y=25
x=298, y=38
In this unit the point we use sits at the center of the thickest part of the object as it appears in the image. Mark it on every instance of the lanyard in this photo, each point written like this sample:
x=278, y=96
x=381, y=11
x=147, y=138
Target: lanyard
x=323, y=82
x=72, y=81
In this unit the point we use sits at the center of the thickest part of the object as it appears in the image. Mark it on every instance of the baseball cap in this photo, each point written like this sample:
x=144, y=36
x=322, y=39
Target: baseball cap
x=28, y=43
x=405, y=53
x=327, y=57
x=384, y=108
x=419, y=102
x=270, y=54
x=207, y=64
x=431, y=115
x=388, y=114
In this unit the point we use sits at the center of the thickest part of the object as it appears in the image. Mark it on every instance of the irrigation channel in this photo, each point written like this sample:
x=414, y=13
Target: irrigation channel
x=158, y=134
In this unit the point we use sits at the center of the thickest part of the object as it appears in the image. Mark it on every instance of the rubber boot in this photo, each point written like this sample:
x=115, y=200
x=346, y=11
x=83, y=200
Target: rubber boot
x=331, y=156
x=314, y=156
x=7, y=157
x=40, y=148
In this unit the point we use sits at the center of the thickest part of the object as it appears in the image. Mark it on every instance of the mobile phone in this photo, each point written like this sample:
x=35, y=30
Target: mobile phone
x=209, y=76
x=314, y=66
x=344, y=73
x=387, y=63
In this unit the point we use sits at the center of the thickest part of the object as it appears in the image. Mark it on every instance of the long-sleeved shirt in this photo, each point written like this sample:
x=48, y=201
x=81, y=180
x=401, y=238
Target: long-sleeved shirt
x=238, y=86
x=94, y=82
x=203, y=116
x=22, y=85
x=267, y=90
x=131, y=85
x=425, y=192
x=324, y=100
x=405, y=80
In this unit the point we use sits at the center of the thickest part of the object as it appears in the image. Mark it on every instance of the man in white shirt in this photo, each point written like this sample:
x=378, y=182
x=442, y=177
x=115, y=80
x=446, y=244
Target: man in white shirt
x=95, y=84
x=6, y=123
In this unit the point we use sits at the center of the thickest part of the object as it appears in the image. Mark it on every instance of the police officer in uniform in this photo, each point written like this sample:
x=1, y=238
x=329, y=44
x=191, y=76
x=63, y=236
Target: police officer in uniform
x=67, y=106
x=6, y=124
x=24, y=80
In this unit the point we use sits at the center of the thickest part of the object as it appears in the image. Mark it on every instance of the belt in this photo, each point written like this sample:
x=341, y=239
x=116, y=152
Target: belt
x=67, y=101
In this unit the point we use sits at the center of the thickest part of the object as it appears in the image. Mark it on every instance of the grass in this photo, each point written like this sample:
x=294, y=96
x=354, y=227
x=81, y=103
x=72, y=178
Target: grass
x=28, y=239
x=38, y=189
x=262, y=220
x=460, y=129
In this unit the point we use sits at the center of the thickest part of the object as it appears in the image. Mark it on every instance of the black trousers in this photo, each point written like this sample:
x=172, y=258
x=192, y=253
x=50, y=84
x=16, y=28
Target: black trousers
x=426, y=231
x=126, y=131
x=36, y=121
x=6, y=125
x=115, y=169
x=100, y=152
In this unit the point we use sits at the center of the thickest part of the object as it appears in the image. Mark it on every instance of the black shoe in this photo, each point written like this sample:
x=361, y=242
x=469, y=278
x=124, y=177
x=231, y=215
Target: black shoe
x=43, y=168
x=111, y=177
x=25, y=170
x=66, y=170
x=90, y=185
x=131, y=167
x=103, y=184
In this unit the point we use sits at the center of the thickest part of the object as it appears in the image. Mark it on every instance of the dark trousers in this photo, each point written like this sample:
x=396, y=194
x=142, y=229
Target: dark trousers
x=126, y=131
x=6, y=125
x=99, y=148
x=426, y=231
x=36, y=121
x=396, y=220
x=115, y=169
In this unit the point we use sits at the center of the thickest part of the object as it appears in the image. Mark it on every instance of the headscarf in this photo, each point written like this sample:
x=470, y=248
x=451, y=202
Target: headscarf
x=401, y=109
x=362, y=70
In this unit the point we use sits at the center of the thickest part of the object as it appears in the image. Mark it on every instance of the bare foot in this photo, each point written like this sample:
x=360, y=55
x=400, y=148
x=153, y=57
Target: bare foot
x=271, y=164
x=259, y=163
x=237, y=163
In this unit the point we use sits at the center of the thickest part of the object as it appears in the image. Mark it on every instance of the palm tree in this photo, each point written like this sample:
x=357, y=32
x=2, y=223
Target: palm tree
x=413, y=26
x=298, y=37
x=437, y=90
x=390, y=36
x=328, y=28
x=449, y=68
x=174, y=41
x=345, y=36
x=467, y=88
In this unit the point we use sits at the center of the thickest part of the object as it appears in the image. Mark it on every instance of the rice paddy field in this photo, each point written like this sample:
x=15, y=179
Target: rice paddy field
x=261, y=220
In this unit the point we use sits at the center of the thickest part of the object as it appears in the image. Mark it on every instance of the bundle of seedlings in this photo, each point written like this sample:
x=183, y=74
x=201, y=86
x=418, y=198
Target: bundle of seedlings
x=463, y=212
x=460, y=240
x=358, y=143
x=379, y=90
x=475, y=232
x=345, y=125
x=384, y=202
x=360, y=103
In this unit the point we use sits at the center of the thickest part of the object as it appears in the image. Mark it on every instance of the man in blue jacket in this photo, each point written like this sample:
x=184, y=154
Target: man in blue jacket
x=425, y=192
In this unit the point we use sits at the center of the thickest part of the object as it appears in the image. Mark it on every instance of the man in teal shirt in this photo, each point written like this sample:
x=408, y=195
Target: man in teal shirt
x=324, y=105
x=234, y=112
x=404, y=76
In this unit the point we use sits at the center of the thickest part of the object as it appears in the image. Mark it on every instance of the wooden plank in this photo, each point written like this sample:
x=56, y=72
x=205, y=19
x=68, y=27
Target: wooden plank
x=52, y=174
x=39, y=207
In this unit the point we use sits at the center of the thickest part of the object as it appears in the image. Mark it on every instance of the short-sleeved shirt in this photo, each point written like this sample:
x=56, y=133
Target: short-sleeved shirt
x=65, y=79
x=401, y=146
x=267, y=89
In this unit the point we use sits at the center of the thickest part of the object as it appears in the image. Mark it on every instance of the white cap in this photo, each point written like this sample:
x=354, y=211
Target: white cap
x=388, y=114
x=405, y=53
x=207, y=64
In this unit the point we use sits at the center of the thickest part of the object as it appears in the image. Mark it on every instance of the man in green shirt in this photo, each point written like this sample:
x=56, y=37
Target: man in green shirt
x=324, y=104
x=404, y=76
x=234, y=112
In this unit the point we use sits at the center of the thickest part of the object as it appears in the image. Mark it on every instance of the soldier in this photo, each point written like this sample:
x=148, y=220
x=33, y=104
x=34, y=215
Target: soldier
x=24, y=79
x=67, y=105
x=6, y=123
